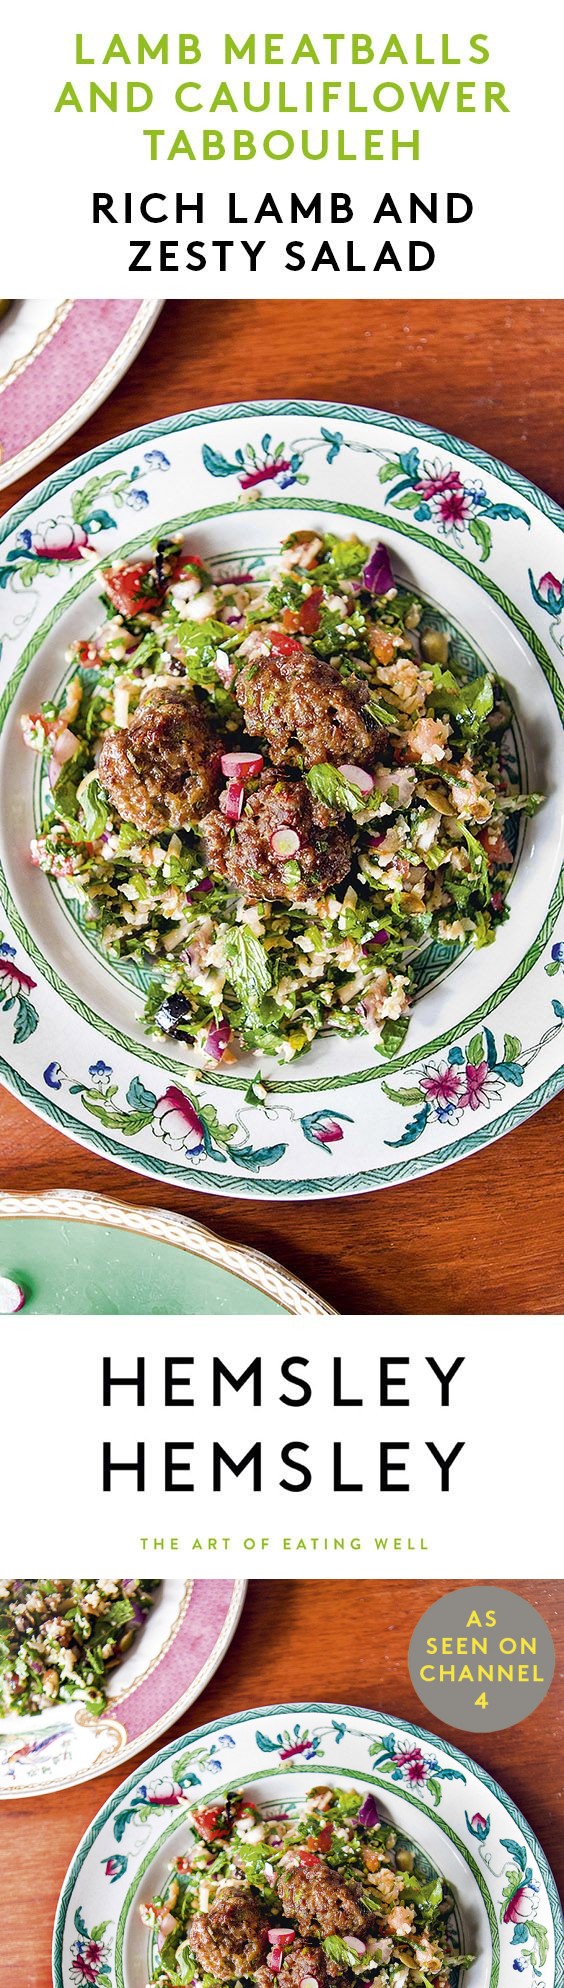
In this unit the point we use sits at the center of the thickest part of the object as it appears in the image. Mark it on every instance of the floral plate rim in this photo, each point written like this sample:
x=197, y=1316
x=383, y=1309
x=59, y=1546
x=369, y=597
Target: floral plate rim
x=285, y=1711
x=325, y=1127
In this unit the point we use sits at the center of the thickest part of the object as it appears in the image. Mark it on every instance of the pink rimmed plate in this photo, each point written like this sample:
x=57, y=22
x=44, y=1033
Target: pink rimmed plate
x=58, y=362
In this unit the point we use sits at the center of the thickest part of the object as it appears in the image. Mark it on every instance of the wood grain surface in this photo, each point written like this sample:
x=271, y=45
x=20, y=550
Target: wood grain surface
x=344, y=1641
x=486, y=1234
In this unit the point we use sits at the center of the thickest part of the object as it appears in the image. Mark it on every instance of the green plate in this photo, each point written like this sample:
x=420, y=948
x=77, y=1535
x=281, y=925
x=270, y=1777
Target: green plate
x=78, y=1253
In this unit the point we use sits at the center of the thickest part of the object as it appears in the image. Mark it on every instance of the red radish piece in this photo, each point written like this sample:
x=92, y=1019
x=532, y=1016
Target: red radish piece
x=285, y=842
x=280, y=1936
x=12, y=1298
x=356, y=776
x=65, y=748
x=274, y=1960
x=234, y=800
x=358, y=1946
x=241, y=765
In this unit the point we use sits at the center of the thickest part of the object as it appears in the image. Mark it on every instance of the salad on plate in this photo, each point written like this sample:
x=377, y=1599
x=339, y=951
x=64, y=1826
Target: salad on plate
x=265, y=795
x=329, y=1896
x=60, y=1639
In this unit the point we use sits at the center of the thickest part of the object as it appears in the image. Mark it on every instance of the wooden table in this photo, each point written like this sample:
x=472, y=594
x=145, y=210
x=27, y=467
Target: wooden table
x=473, y=1237
x=344, y=1641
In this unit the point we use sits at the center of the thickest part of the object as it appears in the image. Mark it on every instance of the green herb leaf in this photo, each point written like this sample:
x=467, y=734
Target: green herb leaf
x=94, y=807
x=248, y=966
x=327, y=784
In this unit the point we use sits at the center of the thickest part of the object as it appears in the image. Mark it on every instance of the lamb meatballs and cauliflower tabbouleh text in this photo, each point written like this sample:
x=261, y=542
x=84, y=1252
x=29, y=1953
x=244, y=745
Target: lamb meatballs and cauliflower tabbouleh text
x=325, y=1895
x=266, y=794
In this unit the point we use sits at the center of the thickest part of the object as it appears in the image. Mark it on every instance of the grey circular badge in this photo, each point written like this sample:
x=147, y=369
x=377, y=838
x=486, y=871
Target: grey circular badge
x=481, y=1658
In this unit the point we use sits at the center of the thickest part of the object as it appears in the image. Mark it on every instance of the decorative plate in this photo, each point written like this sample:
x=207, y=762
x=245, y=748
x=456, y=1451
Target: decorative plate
x=58, y=362
x=178, y=1650
x=73, y=1253
x=484, y=1044
x=464, y=1827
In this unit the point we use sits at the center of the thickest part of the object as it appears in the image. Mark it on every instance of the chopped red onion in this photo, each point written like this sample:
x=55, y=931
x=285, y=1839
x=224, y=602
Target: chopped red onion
x=368, y=1816
x=217, y=1039
x=378, y=939
x=225, y=670
x=200, y=890
x=65, y=748
x=377, y=575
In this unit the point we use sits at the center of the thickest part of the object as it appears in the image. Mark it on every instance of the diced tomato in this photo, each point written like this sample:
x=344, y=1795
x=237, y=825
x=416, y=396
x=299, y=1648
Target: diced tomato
x=216, y=1820
x=181, y=566
x=310, y=611
x=290, y=620
x=307, y=1858
x=131, y=587
x=87, y=654
x=321, y=1842
x=324, y=1838
x=284, y=645
x=211, y=1822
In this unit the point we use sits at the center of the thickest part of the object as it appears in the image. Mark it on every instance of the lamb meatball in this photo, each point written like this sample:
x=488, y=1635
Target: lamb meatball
x=303, y=706
x=300, y=1962
x=232, y=1938
x=245, y=855
x=163, y=770
x=322, y=1900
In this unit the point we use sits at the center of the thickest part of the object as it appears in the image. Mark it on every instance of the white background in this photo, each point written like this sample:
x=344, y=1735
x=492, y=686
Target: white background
x=502, y=1516
x=510, y=165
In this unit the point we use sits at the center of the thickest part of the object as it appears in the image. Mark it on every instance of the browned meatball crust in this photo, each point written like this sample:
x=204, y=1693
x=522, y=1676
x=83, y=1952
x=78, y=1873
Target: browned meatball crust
x=322, y=1900
x=232, y=1938
x=300, y=1962
x=163, y=770
x=243, y=852
x=304, y=708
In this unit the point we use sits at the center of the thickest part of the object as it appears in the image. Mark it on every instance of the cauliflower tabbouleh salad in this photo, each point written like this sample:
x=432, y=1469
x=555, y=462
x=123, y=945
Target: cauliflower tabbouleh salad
x=58, y=1639
x=266, y=795
x=327, y=1897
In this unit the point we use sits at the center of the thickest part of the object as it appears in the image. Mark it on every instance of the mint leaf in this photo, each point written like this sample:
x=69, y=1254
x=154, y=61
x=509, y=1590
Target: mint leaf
x=327, y=784
x=94, y=807
x=248, y=966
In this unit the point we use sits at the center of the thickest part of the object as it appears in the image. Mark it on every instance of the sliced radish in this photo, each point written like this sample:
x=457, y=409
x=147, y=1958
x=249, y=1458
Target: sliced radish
x=241, y=765
x=280, y=1936
x=356, y=776
x=274, y=1960
x=64, y=749
x=12, y=1298
x=358, y=1946
x=234, y=800
x=285, y=842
